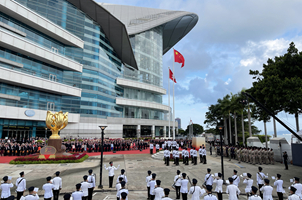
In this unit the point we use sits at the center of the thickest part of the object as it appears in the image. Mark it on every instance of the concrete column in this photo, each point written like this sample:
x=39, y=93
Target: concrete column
x=34, y=133
x=138, y=131
x=153, y=131
x=1, y=130
x=165, y=131
x=176, y=130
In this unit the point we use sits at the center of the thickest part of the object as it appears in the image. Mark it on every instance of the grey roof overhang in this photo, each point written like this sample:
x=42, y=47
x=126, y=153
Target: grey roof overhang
x=114, y=29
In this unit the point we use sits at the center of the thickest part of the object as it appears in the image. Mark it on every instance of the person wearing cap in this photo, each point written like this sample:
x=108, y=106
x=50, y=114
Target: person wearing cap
x=66, y=196
x=78, y=194
x=177, y=183
x=152, y=184
x=254, y=195
x=118, y=186
x=279, y=183
x=196, y=191
x=200, y=154
x=191, y=155
x=85, y=185
x=208, y=179
x=176, y=157
x=219, y=182
x=148, y=179
x=267, y=190
x=124, y=196
x=249, y=183
x=236, y=178
x=110, y=169
x=209, y=195
x=167, y=156
x=21, y=185
x=32, y=194
x=260, y=180
x=5, y=188
x=157, y=147
x=91, y=180
x=195, y=156
x=123, y=190
x=48, y=187
x=123, y=176
x=298, y=186
x=158, y=191
x=186, y=157
x=232, y=190
x=151, y=148
x=293, y=195
x=57, y=181
x=167, y=192
x=184, y=187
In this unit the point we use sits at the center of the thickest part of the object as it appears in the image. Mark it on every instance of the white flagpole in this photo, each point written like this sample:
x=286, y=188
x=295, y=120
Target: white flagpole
x=173, y=100
x=169, y=103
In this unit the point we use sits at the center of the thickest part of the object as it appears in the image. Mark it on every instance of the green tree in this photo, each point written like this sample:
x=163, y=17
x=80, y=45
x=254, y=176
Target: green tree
x=197, y=129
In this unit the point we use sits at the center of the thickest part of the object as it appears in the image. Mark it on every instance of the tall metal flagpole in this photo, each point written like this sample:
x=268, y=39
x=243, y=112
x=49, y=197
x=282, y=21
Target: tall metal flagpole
x=173, y=98
x=169, y=103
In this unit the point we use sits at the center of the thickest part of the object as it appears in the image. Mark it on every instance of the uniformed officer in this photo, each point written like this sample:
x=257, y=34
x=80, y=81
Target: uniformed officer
x=279, y=183
x=272, y=159
x=57, y=182
x=187, y=157
x=66, y=196
x=236, y=178
x=191, y=155
x=298, y=186
x=5, y=188
x=209, y=195
x=158, y=191
x=259, y=156
x=219, y=182
x=196, y=190
x=91, y=180
x=176, y=157
x=151, y=148
x=32, y=194
x=166, y=191
x=183, y=156
x=195, y=156
x=85, y=185
x=208, y=179
x=177, y=183
x=21, y=185
x=254, y=195
x=123, y=176
x=200, y=154
x=267, y=190
x=157, y=147
x=260, y=179
x=167, y=156
x=118, y=186
x=249, y=183
x=152, y=184
x=232, y=190
x=124, y=196
x=78, y=194
x=239, y=154
x=293, y=195
x=204, y=155
x=111, y=169
x=148, y=179
x=48, y=187
x=184, y=187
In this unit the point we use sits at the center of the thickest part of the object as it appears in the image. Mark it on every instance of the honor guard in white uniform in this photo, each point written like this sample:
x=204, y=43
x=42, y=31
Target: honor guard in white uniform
x=254, y=195
x=158, y=191
x=196, y=191
x=85, y=187
x=208, y=179
x=248, y=181
x=57, y=182
x=177, y=146
x=148, y=178
x=204, y=155
x=167, y=156
x=236, y=178
x=123, y=190
x=219, y=182
x=91, y=180
x=293, y=195
x=232, y=190
x=151, y=148
x=5, y=188
x=209, y=196
x=191, y=155
x=78, y=194
x=118, y=186
x=173, y=155
x=279, y=183
x=123, y=176
x=174, y=144
x=267, y=190
x=48, y=188
x=195, y=156
x=176, y=157
x=152, y=184
x=32, y=195
x=200, y=154
x=111, y=169
x=157, y=148
x=177, y=184
x=298, y=186
x=184, y=187
x=260, y=179
x=166, y=191
x=183, y=156
x=21, y=185
x=124, y=196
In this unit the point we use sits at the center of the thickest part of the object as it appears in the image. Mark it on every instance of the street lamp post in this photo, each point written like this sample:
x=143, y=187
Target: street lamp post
x=45, y=134
x=221, y=151
x=101, y=161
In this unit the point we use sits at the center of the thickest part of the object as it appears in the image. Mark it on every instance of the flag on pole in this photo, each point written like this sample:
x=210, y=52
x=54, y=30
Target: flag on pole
x=179, y=58
x=171, y=76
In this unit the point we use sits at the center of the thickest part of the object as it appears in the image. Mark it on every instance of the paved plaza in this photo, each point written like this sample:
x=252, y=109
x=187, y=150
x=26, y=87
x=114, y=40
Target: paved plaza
x=136, y=167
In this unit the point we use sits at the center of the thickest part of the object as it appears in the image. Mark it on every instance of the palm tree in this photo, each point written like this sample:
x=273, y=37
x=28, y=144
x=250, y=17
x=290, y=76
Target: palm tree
x=225, y=104
x=237, y=108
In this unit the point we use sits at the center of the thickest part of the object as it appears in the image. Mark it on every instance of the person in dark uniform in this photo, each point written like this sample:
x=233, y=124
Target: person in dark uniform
x=285, y=158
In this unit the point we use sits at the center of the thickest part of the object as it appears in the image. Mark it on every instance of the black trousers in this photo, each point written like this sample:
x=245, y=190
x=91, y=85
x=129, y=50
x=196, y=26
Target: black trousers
x=187, y=160
x=184, y=196
x=183, y=160
x=167, y=161
x=177, y=189
x=56, y=194
x=152, y=197
x=151, y=151
x=177, y=161
x=110, y=181
x=19, y=195
x=195, y=160
x=148, y=189
x=200, y=159
x=219, y=195
x=280, y=195
x=192, y=160
x=47, y=198
x=204, y=159
x=285, y=163
x=85, y=198
x=90, y=191
x=260, y=186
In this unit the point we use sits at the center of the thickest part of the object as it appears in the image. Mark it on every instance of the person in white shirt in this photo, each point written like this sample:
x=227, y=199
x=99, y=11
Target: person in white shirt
x=219, y=182
x=196, y=191
x=77, y=195
x=21, y=185
x=279, y=183
x=111, y=169
x=123, y=190
x=123, y=176
x=195, y=156
x=85, y=187
x=5, y=188
x=260, y=179
x=152, y=184
x=209, y=195
x=32, y=195
x=232, y=190
x=177, y=183
x=167, y=156
x=118, y=186
x=267, y=190
x=293, y=195
x=173, y=155
x=184, y=187
x=151, y=148
x=191, y=155
x=157, y=148
x=166, y=191
x=176, y=157
x=158, y=191
x=204, y=155
x=57, y=181
x=236, y=178
x=148, y=179
x=200, y=154
x=91, y=180
x=298, y=186
x=208, y=179
x=48, y=187
x=249, y=183
x=183, y=156
x=187, y=156
x=254, y=195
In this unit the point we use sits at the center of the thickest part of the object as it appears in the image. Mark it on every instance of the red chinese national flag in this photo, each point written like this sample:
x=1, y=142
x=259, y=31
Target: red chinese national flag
x=171, y=76
x=179, y=58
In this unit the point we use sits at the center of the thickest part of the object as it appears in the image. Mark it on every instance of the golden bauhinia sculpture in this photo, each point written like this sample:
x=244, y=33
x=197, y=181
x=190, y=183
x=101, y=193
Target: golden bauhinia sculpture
x=56, y=122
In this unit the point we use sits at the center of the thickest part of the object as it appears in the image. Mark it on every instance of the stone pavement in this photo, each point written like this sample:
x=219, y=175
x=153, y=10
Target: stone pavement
x=136, y=167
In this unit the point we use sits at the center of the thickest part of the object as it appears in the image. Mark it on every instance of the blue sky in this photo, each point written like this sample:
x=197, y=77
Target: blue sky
x=230, y=38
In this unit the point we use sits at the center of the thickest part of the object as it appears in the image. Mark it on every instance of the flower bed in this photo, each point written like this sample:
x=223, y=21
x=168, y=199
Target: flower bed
x=34, y=159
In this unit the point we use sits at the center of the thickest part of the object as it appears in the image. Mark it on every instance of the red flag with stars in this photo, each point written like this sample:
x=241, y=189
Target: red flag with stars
x=171, y=76
x=179, y=58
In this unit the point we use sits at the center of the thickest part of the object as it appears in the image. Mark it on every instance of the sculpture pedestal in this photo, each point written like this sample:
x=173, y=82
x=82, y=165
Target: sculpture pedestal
x=56, y=143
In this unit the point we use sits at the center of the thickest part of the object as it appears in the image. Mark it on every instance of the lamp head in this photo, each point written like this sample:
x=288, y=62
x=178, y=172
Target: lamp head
x=102, y=127
x=220, y=128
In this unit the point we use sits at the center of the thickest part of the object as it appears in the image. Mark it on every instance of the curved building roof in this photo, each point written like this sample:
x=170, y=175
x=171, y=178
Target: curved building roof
x=176, y=24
